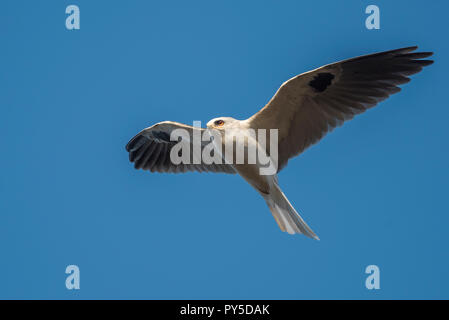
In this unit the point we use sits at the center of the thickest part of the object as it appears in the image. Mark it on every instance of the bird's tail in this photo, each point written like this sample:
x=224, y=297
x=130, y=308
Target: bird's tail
x=285, y=215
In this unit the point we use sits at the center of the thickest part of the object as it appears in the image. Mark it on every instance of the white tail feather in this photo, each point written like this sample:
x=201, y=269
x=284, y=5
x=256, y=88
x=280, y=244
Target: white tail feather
x=285, y=215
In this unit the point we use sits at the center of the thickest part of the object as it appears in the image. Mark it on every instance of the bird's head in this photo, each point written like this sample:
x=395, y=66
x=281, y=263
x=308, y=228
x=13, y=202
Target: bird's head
x=222, y=123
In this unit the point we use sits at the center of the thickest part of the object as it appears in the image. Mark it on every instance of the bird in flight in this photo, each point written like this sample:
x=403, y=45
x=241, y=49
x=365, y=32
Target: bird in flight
x=303, y=110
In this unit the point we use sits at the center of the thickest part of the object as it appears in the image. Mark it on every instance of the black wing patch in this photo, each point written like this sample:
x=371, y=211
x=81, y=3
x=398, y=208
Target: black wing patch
x=321, y=81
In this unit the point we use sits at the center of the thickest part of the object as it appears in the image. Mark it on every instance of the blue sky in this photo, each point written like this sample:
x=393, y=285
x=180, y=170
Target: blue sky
x=374, y=190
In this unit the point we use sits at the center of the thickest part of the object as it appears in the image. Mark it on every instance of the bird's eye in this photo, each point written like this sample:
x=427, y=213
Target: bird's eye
x=219, y=122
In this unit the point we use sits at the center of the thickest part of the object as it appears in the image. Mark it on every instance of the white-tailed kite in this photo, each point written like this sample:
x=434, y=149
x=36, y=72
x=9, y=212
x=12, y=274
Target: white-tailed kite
x=303, y=110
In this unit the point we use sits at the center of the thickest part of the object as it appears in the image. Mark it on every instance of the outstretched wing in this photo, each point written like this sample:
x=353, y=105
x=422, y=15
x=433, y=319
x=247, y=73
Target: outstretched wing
x=311, y=104
x=150, y=150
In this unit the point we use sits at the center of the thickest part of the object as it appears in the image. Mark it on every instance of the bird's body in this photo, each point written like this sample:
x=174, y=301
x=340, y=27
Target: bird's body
x=248, y=171
x=302, y=111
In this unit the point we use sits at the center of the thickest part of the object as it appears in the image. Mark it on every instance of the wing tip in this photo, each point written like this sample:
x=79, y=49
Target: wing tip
x=407, y=49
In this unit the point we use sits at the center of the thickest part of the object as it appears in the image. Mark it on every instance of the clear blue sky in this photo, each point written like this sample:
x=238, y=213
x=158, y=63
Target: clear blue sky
x=374, y=190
